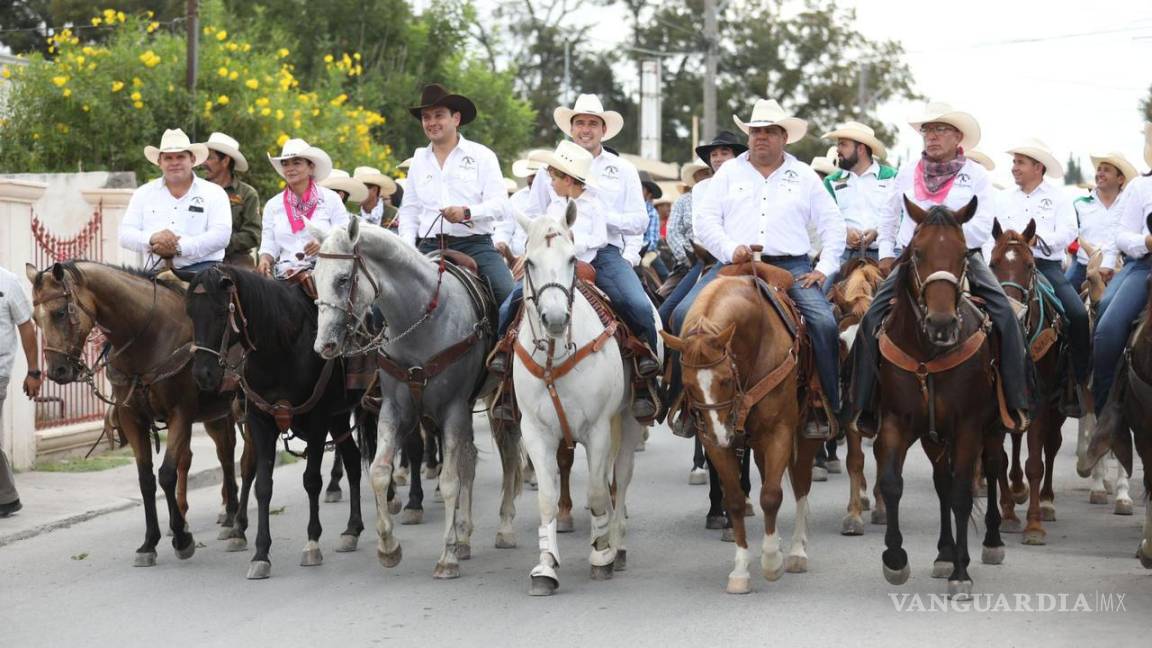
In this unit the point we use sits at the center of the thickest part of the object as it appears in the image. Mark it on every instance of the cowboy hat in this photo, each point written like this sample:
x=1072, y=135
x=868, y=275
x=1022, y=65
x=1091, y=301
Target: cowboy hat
x=648, y=183
x=511, y=186
x=589, y=104
x=372, y=176
x=174, y=141
x=526, y=167
x=1116, y=159
x=435, y=94
x=339, y=180
x=298, y=148
x=222, y=143
x=723, y=138
x=688, y=172
x=938, y=111
x=406, y=164
x=1037, y=150
x=767, y=112
x=568, y=158
x=857, y=132
x=825, y=164
x=980, y=158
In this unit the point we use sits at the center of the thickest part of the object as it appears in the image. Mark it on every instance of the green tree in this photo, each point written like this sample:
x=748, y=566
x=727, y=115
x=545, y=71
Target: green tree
x=1146, y=106
x=1073, y=174
x=28, y=23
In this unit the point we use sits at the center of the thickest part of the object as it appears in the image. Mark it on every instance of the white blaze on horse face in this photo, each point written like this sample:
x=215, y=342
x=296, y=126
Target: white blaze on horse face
x=1010, y=256
x=705, y=378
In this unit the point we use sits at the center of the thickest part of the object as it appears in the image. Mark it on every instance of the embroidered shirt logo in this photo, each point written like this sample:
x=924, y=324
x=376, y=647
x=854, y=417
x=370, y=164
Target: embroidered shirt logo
x=610, y=172
x=468, y=163
x=1046, y=203
x=963, y=179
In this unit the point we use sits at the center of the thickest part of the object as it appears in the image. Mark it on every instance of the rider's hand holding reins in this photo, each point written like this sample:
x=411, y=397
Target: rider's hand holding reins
x=814, y=278
x=265, y=265
x=311, y=248
x=886, y=265
x=454, y=214
x=742, y=254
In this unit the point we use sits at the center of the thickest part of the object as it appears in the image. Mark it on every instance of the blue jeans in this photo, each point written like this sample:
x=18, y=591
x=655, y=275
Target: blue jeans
x=1076, y=315
x=844, y=258
x=673, y=300
x=1076, y=274
x=1121, y=305
x=488, y=261
x=818, y=319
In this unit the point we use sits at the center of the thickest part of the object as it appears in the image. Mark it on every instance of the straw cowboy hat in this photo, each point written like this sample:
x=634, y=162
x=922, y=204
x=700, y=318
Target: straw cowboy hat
x=722, y=139
x=372, y=176
x=569, y=158
x=298, y=148
x=1037, y=150
x=435, y=94
x=940, y=112
x=688, y=172
x=979, y=157
x=511, y=186
x=857, y=132
x=526, y=167
x=767, y=112
x=174, y=141
x=1116, y=159
x=826, y=164
x=339, y=180
x=222, y=143
x=589, y=104
x=407, y=163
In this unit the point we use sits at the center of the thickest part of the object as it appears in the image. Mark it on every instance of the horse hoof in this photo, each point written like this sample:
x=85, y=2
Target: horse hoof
x=220, y=518
x=897, y=576
x=941, y=569
x=188, y=551
x=564, y=523
x=992, y=555
x=697, y=477
x=411, y=516
x=1097, y=497
x=506, y=540
x=1047, y=511
x=1034, y=537
x=542, y=586
x=1020, y=496
x=796, y=564
x=852, y=526
x=833, y=467
x=348, y=543
x=259, y=570
x=865, y=503
x=621, y=562
x=236, y=543
x=1123, y=507
x=311, y=557
x=773, y=575
x=601, y=572
x=714, y=522
x=333, y=496
x=446, y=571
x=224, y=533
x=728, y=535
x=1011, y=526
x=739, y=585
x=819, y=474
x=390, y=559
x=463, y=552
x=431, y=472
x=394, y=506
x=1144, y=553
x=879, y=517
x=145, y=559
x=960, y=590
x=749, y=510
x=640, y=447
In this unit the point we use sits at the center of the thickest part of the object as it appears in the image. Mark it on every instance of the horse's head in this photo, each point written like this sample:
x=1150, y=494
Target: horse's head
x=550, y=269
x=210, y=305
x=711, y=380
x=345, y=289
x=937, y=259
x=64, y=310
x=1014, y=265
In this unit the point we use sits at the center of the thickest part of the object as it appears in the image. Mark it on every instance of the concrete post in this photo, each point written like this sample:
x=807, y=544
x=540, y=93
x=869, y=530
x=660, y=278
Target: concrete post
x=113, y=203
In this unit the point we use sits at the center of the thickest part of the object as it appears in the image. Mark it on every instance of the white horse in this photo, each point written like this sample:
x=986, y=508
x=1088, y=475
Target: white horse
x=559, y=325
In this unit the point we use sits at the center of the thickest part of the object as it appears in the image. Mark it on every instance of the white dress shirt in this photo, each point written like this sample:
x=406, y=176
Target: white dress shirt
x=15, y=310
x=1049, y=207
x=470, y=177
x=202, y=218
x=510, y=231
x=618, y=187
x=1136, y=205
x=374, y=216
x=277, y=239
x=742, y=207
x=1098, y=225
x=972, y=180
x=862, y=197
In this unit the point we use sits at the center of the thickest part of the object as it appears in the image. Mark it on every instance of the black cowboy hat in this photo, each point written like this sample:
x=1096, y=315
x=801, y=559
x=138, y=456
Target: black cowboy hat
x=723, y=138
x=435, y=94
x=653, y=188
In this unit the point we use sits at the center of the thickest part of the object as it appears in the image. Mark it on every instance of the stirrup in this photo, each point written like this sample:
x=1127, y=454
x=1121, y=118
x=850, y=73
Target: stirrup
x=685, y=426
x=498, y=363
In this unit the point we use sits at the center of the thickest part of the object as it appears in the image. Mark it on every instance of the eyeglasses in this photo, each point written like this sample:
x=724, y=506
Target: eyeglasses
x=938, y=129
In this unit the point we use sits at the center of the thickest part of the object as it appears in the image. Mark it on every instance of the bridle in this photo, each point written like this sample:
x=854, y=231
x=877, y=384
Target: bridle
x=921, y=286
x=236, y=324
x=533, y=295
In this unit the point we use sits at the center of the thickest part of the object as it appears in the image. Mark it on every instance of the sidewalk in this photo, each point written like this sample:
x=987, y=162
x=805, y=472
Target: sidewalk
x=55, y=500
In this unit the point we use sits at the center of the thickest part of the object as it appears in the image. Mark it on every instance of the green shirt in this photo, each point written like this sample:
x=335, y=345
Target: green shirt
x=245, y=203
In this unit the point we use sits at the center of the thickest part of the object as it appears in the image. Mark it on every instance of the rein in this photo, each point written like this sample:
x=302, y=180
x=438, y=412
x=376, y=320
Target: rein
x=238, y=325
x=921, y=285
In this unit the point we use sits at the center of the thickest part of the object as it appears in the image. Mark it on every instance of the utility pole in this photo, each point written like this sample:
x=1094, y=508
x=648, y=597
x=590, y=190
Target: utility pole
x=862, y=94
x=193, y=55
x=567, y=73
x=711, y=36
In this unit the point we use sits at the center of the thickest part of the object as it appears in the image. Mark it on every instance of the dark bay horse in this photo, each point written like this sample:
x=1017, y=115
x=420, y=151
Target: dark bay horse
x=148, y=362
x=937, y=385
x=1015, y=268
x=276, y=324
x=740, y=373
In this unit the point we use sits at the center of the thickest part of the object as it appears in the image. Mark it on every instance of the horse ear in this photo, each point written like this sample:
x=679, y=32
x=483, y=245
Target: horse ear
x=522, y=220
x=725, y=337
x=354, y=230
x=966, y=212
x=570, y=213
x=914, y=211
x=30, y=271
x=671, y=341
x=997, y=231
x=226, y=281
x=58, y=272
x=1030, y=231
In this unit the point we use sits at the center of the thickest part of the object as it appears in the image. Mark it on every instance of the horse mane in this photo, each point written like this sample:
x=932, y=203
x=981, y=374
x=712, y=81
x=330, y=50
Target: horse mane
x=940, y=215
x=70, y=266
x=274, y=309
x=1010, y=240
x=859, y=282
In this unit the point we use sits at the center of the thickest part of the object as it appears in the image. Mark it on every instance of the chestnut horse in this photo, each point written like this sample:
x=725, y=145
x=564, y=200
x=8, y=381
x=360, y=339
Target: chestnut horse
x=740, y=369
x=937, y=384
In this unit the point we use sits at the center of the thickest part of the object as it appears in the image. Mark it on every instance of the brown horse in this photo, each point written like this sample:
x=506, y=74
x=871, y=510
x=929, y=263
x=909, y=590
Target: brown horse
x=739, y=362
x=937, y=384
x=149, y=365
x=1014, y=266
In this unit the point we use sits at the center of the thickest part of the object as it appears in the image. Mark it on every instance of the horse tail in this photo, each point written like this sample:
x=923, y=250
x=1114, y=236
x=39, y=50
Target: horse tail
x=366, y=434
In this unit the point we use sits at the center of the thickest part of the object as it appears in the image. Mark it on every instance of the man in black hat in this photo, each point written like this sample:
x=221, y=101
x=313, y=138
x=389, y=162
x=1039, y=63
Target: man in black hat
x=455, y=194
x=652, y=192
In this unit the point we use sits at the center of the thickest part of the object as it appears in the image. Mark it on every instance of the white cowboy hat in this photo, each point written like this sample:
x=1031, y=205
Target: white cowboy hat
x=589, y=104
x=405, y=164
x=688, y=172
x=767, y=112
x=511, y=186
x=526, y=167
x=1117, y=160
x=979, y=157
x=1148, y=144
x=857, y=132
x=1037, y=150
x=570, y=158
x=174, y=141
x=825, y=165
x=293, y=148
x=372, y=176
x=339, y=180
x=938, y=111
x=224, y=144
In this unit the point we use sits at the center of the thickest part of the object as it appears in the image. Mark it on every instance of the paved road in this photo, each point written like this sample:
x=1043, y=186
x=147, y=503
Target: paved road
x=671, y=595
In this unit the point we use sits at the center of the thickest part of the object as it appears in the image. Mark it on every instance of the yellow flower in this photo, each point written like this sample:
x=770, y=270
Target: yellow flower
x=282, y=52
x=150, y=59
x=280, y=140
x=117, y=86
x=339, y=101
x=252, y=83
x=231, y=47
x=208, y=105
x=153, y=26
x=5, y=72
x=208, y=30
x=251, y=110
x=246, y=47
x=79, y=60
x=110, y=15
x=266, y=111
x=137, y=83
x=356, y=56
x=59, y=81
x=96, y=22
x=327, y=58
x=296, y=123
x=279, y=114
x=67, y=92
x=262, y=101
x=35, y=136
x=120, y=16
x=85, y=108
x=222, y=36
x=135, y=96
x=137, y=104
x=91, y=66
x=222, y=100
x=233, y=75
x=223, y=71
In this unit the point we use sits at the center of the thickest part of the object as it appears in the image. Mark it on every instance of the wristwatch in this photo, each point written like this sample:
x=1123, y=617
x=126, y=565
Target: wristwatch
x=34, y=373
x=178, y=251
x=467, y=214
